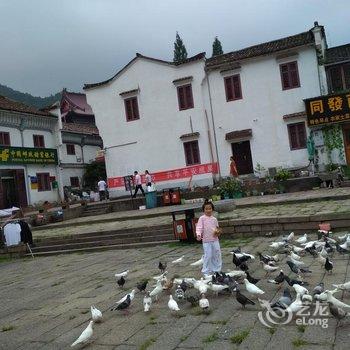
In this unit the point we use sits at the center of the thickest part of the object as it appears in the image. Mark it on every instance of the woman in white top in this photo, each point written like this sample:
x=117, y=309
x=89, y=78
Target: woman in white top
x=148, y=178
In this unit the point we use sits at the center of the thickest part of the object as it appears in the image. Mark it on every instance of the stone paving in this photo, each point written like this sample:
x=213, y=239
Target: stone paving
x=45, y=304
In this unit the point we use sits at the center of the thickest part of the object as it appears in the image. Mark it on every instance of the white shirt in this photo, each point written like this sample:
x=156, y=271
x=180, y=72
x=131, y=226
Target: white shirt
x=138, y=179
x=148, y=178
x=102, y=185
x=12, y=233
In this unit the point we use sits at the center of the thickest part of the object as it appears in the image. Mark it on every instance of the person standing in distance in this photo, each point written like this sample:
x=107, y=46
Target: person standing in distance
x=148, y=178
x=138, y=184
x=102, y=189
x=233, y=167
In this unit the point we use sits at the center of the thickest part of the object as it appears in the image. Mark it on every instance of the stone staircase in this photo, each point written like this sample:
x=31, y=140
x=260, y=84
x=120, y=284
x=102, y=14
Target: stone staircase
x=105, y=240
x=97, y=209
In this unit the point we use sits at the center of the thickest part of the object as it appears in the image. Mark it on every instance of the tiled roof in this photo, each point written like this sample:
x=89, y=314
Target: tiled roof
x=76, y=102
x=301, y=39
x=138, y=55
x=11, y=105
x=87, y=129
x=338, y=54
x=294, y=115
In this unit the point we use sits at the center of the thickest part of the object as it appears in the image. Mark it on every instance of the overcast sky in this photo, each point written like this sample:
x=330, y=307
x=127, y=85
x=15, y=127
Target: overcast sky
x=50, y=44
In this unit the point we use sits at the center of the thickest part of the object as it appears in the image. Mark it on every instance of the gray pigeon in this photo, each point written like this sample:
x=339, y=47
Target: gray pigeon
x=284, y=301
x=337, y=312
x=318, y=289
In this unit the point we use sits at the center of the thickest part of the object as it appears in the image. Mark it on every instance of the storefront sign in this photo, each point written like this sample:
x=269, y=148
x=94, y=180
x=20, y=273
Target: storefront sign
x=174, y=174
x=327, y=109
x=23, y=155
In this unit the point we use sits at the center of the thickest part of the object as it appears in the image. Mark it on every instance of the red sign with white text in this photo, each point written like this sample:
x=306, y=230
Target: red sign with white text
x=175, y=174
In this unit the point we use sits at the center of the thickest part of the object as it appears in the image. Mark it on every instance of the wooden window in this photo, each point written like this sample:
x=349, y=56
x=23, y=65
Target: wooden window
x=289, y=75
x=4, y=138
x=131, y=109
x=70, y=149
x=185, y=97
x=297, y=136
x=192, y=153
x=43, y=181
x=38, y=141
x=339, y=77
x=74, y=181
x=233, y=88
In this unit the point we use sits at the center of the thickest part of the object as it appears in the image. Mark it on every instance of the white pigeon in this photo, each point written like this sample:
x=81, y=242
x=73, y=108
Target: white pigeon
x=252, y=288
x=96, y=314
x=277, y=245
x=204, y=302
x=343, y=286
x=298, y=263
x=320, y=259
x=324, y=252
x=298, y=250
x=268, y=268
x=344, y=237
x=241, y=255
x=302, y=239
x=345, y=245
x=216, y=288
x=323, y=296
x=201, y=286
x=335, y=301
x=132, y=296
x=122, y=274
x=198, y=262
x=300, y=289
x=236, y=273
x=290, y=237
x=178, y=261
x=157, y=290
x=306, y=297
x=85, y=335
x=296, y=305
x=160, y=277
x=147, y=302
x=294, y=256
x=172, y=304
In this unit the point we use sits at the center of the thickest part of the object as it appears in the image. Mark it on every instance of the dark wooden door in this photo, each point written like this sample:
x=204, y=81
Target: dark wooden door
x=2, y=199
x=243, y=157
x=346, y=134
x=21, y=188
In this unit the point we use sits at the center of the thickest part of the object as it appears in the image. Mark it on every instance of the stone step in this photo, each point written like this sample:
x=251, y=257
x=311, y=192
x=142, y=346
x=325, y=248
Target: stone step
x=345, y=183
x=96, y=243
x=105, y=247
x=95, y=236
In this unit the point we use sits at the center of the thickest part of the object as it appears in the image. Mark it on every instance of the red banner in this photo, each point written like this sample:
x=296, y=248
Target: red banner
x=175, y=174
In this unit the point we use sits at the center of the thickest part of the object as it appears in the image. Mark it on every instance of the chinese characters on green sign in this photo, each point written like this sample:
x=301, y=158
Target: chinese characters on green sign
x=23, y=155
x=328, y=109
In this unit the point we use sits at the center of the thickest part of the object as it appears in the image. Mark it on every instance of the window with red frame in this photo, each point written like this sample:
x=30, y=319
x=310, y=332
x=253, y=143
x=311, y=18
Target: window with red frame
x=192, y=153
x=233, y=88
x=70, y=149
x=4, y=138
x=185, y=97
x=297, y=135
x=43, y=182
x=74, y=181
x=38, y=141
x=289, y=75
x=131, y=109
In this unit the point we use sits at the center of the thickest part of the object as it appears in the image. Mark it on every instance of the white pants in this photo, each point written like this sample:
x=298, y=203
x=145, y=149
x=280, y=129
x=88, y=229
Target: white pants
x=212, y=257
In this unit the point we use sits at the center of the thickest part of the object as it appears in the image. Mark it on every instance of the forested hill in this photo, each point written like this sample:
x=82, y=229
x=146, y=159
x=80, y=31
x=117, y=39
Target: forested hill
x=28, y=99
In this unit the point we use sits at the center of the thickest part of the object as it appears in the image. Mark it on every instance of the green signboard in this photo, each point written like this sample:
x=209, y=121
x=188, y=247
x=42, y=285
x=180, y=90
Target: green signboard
x=26, y=155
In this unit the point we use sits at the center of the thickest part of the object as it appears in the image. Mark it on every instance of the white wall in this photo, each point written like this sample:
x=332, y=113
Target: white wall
x=15, y=136
x=49, y=138
x=90, y=153
x=67, y=173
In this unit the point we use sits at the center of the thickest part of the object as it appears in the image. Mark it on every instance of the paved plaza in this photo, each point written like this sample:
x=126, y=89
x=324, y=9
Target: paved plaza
x=46, y=304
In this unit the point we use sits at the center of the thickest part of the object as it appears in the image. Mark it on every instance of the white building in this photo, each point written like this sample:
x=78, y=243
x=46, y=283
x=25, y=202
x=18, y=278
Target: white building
x=28, y=155
x=181, y=120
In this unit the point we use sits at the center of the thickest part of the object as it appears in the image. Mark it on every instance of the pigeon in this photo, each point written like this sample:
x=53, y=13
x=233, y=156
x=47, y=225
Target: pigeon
x=172, y=304
x=179, y=260
x=284, y=301
x=201, y=286
x=328, y=265
x=251, y=279
x=124, y=305
x=96, y=314
x=298, y=263
x=252, y=288
x=343, y=286
x=204, y=303
x=337, y=312
x=335, y=301
x=192, y=296
x=343, y=238
x=321, y=259
x=324, y=252
x=290, y=237
x=179, y=293
x=318, y=289
x=294, y=256
x=291, y=282
x=162, y=267
x=323, y=296
x=296, y=305
x=239, y=261
x=296, y=269
x=236, y=274
x=302, y=239
x=216, y=288
x=243, y=266
x=242, y=299
x=329, y=249
x=85, y=335
x=183, y=285
x=198, y=262
x=298, y=250
x=167, y=285
x=147, y=302
x=141, y=286
x=122, y=274
x=306, y=298
x=157, y=290
x=278, y=279
x=300, y=289
x=340, y=249
x=121, y=281
x=268, y=268
x=160, y=277
x=277, y=245
x=131, y=294
x=345, y=245
x=241, y=254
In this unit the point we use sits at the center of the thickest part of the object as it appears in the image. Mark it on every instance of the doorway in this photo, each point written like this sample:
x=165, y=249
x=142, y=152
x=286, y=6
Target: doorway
x=12, y=189
x=346, y=136
x=243, y=157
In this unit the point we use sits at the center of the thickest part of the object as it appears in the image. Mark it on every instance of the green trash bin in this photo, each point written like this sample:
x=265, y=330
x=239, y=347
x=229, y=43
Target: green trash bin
x=151, y=199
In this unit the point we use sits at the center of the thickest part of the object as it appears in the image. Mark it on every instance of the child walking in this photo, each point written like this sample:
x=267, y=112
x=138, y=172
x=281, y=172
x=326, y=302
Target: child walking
x=207, y=230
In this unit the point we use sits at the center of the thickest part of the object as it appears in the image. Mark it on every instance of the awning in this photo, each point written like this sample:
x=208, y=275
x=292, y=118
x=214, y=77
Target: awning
x=191, y=135
x=238, y=134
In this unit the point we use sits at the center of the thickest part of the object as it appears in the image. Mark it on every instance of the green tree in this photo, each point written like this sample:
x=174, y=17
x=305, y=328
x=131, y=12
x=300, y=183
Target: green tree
x=217, y=48
x=93, y=173
x=180, y=53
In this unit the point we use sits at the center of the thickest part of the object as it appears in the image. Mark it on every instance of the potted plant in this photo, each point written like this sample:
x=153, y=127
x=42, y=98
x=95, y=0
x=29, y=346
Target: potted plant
x=260, y=171
x=231, y=188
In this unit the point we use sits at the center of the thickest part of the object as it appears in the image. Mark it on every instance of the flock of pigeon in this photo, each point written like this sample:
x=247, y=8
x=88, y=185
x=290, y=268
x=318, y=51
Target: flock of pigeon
x=196, y=291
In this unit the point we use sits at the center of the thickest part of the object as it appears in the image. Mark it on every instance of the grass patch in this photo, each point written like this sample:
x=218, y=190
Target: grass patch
x=210, y=338
x=239, y=337
x=5, y=259
x=301, y=328
x=57, y=283
x=197, y=311
x=7, y=328
x=72, y=317
x=223, y=322
x=180, y=314
x=229, y=243
x=272, y=331
x=184, y=337
x=147, y=343
x=84, y=312
x=297, y=343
